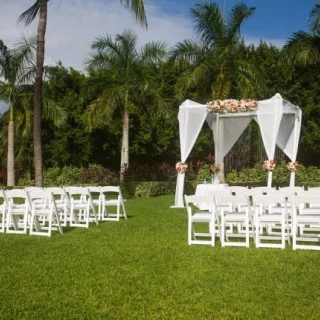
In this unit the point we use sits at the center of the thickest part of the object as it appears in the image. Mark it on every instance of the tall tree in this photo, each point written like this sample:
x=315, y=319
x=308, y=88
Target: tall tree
x=41, y=7
x=303, y=47
x=127, y=80
x=215, y=65
x=16, y=70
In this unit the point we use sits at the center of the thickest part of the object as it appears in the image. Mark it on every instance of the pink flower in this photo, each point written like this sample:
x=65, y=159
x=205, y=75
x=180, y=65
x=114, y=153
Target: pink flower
x=181, y=167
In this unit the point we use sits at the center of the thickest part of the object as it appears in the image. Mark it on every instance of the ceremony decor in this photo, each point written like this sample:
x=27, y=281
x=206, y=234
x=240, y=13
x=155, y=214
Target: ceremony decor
x=279, y=122
x=269, y=165
x=232, y=106
x=214, y=168
x=181, y=167
x=292, y=166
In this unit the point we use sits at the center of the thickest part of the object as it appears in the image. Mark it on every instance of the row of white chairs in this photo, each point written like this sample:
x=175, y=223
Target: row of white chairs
x=271, y=217
x=41, y=210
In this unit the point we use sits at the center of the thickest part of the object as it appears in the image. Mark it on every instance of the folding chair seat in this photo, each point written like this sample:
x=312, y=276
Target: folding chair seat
x=201, y=223
x=271, y=221
x=111, y=197
x=17, y=220
x=306, y=222
x=235, y=220
x=82, y=209
x=3, y=210
x=44, y=213
x=62, y=203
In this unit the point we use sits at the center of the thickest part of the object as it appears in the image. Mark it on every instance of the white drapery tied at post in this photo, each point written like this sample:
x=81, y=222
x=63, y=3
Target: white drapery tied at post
x=279, y=122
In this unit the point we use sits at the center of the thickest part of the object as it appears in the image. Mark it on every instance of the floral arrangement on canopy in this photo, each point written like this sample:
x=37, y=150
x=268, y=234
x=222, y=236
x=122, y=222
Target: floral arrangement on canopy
x=292, y=166
x=232, y=106
x=268, y=165
x=181, y=167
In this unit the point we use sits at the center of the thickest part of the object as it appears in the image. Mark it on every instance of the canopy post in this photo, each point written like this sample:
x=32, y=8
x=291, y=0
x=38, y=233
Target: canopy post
x=269, y=179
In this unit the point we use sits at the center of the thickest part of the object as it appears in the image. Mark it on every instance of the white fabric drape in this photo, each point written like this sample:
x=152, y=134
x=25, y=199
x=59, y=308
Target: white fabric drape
x=269, y=116
x=226, y=130
x=289, y=133
x=191, y=118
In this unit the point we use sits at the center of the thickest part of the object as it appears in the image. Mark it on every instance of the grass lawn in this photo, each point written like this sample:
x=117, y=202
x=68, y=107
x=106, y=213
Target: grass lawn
x=142, y=268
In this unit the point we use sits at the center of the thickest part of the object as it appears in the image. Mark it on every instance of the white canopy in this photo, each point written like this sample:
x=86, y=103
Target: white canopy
x=278, y=119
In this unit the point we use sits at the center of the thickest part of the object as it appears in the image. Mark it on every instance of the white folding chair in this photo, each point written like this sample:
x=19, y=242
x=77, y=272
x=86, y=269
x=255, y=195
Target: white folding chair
x=44, y=213
x=237, y=190
x=306, y=221
x=315, y=190
x=205, y=231
x=82, y=209
x=3, y=210
x=235, y=220
x=62, y=203
x=18, y=211
x=111, y=197
x=97, y=199
x=270, y=217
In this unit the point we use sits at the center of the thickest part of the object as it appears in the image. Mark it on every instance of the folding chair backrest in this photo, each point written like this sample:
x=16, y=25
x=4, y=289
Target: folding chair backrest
x=238, y=190
x=272, y=202
x=234, y=202
x=189, y=199
x=307, y=199
x=112, y=197
x=18, y=211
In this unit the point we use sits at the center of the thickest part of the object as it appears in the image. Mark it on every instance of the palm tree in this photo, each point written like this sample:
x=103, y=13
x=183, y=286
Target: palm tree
x=304, y=47
x=214, y=65
x=41, y=7
x=17, y=69
x=126, y=76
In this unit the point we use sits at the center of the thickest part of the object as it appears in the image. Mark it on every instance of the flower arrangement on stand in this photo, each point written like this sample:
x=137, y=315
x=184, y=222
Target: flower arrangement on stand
x=232, y=106
x=214, y=168
x=269, y=165
x=292, y=166
x=181, y=167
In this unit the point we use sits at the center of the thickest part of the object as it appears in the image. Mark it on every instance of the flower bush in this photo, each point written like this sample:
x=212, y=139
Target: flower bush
x=181, y=167
x=268, y=165
x=232, y=106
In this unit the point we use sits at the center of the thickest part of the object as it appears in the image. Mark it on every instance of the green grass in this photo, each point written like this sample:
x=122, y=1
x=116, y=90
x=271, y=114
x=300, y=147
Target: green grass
x=142, y=268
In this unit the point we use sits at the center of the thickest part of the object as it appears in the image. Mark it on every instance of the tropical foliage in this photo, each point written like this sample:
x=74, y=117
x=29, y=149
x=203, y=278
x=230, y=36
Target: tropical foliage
x=151, y=89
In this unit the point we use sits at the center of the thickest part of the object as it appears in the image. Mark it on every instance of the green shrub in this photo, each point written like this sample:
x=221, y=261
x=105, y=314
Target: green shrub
x=153, y=189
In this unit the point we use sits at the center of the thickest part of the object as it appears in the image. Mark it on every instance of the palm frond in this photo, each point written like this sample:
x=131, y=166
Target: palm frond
x=153, y=52
x=209, y=22
x=239, y=13
x=189, y=51
x=137, y=8
x=53, y=111
x=303, y=48
x=314, y=18
x=30, y=14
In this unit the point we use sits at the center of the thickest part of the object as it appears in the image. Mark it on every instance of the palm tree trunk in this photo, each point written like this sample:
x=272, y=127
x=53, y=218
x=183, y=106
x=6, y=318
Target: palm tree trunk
x=10, y=159
x=125, y=145
x=38, y=93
